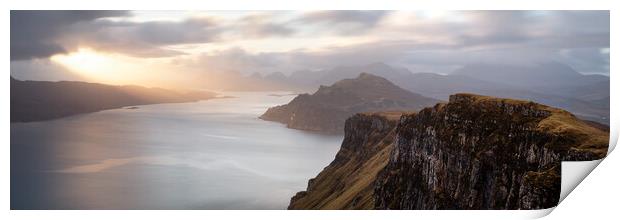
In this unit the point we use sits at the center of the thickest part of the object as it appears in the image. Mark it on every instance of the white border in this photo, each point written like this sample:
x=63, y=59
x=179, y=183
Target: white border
x=593, y=198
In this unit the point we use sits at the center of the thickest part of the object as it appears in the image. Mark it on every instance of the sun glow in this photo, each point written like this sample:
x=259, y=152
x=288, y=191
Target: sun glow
x=117, y=69
x=103, y=67
x=89, y=63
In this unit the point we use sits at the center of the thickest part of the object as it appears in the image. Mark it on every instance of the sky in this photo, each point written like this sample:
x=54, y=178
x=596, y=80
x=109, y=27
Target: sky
x=176, y=47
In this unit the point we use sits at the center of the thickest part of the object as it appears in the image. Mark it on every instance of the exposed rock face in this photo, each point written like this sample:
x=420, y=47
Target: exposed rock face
x=348, y=182
x=479, y=152
x=327, y=109
x=475, y=152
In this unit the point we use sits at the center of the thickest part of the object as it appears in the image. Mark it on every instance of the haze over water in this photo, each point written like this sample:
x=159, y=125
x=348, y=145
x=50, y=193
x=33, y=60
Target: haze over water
x=213, y=154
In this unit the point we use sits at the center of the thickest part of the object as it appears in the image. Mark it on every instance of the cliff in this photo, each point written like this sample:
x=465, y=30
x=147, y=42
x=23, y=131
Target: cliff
x=348, y=182
x=327, y=109
x=474, y=152
x=42, y=100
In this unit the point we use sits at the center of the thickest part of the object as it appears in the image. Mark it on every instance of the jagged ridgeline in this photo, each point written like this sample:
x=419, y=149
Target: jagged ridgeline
x=474, y=152
x=327, y=109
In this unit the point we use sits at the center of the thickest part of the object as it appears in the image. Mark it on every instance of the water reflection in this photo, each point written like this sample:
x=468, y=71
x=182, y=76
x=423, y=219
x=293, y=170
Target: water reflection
x=212, y=154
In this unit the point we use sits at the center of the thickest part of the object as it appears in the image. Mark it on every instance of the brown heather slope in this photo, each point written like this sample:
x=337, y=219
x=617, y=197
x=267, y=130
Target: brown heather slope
x=474, y=152
x=348, y=182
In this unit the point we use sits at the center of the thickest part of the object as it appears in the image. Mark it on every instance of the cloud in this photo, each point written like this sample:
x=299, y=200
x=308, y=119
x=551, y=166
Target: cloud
x=512, y=37
x=343, y=22
x=420, y=40
x=34, y=33
x=339, y=17
x=418, y=56
x=588, y=60
x=40, y=34
x=238, y=59
x=234, y=60
x=550, y=29
x=143, y=39
x=260, y=26
x=192, y=30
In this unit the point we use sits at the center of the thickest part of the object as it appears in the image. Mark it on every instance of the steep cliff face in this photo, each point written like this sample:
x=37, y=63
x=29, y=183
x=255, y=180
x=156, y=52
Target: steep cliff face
x=307, y=113
x=478, y=152
x=475, y=152
x=348, y=182
x=327, y=109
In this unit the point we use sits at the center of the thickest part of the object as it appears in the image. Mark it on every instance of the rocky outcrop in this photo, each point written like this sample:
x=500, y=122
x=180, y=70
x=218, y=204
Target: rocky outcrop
x=327, y=109
x=474, y=152
x=478, y=152
x=348, y=182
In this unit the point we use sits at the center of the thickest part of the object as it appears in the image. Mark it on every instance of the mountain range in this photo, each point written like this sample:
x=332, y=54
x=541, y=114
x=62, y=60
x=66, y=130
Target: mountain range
x=549, y=83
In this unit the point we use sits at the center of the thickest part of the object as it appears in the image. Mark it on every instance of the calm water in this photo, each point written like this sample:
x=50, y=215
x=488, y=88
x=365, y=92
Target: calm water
x=213, y=154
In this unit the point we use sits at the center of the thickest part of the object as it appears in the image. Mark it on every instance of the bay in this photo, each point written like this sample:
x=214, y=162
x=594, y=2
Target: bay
x=212, y=154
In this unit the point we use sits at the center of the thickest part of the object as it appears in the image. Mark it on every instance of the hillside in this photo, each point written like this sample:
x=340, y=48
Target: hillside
x=327, y=109
x=43, y=100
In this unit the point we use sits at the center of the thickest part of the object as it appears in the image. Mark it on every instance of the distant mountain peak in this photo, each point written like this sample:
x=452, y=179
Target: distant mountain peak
x=551, y=67
x=368, y=76
x=539, y=75
x=365, y=80
x=365, y=75
x=327, y=108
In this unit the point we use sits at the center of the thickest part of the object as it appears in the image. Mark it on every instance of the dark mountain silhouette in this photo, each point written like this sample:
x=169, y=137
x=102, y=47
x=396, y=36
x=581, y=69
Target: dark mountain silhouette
x=330, y=76
x=44, y=100
x=327, y=109
x=549, y=83
x=552, y=84
x=538, y=76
